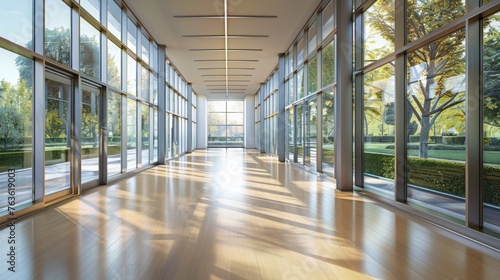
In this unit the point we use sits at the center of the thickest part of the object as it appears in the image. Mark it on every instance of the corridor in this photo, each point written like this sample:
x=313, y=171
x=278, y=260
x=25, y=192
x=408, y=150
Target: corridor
x=235, y=214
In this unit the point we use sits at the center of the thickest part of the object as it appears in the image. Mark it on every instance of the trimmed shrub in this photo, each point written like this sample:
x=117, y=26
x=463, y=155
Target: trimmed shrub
x=380, y=165
x=439, y=175
x=454, y=140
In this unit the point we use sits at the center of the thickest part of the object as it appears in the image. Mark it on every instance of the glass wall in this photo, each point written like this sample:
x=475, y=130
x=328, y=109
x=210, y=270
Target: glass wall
x=491, y=122
x=16, y=126
x=421, y=96
x=58, y=31
x=225, y=123
x=112, y=88
x=90, y=134
x=378, y=118
x=114, y=134
x=309, y=91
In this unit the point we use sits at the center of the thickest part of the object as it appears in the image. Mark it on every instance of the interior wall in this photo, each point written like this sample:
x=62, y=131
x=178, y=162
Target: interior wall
x=201, y=122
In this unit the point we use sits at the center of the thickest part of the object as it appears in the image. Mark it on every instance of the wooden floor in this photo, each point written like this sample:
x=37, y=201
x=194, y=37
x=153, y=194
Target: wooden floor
x=235, y=214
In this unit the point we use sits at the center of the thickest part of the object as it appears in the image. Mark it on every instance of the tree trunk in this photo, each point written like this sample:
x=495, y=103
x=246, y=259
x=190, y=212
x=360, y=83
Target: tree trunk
x=424, y=137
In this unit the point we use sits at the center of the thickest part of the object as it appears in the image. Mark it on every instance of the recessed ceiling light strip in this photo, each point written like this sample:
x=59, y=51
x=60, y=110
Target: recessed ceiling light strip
x=225, y=43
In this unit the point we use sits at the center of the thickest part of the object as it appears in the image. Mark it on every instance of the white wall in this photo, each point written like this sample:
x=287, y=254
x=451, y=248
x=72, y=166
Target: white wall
x=201, y=122
x=250, y=122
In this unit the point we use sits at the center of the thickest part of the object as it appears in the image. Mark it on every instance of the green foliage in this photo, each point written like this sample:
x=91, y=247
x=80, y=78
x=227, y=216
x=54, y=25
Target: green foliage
x=438, y=175
x=379, y=165
x=491, y=68
x=58, y=45
x=454, y=140
x=10, y=127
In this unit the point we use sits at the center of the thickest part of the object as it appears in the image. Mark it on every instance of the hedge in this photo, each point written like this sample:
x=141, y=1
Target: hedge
x=454, y=140
x=23, y=159
x=439, y=175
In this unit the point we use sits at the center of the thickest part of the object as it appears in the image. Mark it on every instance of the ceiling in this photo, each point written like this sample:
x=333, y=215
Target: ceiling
x=196, y=45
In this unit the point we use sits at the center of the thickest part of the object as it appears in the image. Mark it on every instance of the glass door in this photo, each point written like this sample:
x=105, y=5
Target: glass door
x=90, y=133
x=175, y=136
x=58, y=132
x=310, y=132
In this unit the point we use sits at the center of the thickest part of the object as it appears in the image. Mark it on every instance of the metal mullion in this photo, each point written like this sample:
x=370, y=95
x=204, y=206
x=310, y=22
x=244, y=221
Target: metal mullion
x=162, y=105
x=76, y=136
x=319, y=129
x=281, y=150
x=124, y=133
x=103, y=136
x=359, y=105
x=474, y=123
x=400, y=107
x=138, y=133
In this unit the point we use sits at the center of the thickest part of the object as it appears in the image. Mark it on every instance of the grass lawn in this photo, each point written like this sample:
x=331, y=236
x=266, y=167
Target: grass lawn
x=492, y=157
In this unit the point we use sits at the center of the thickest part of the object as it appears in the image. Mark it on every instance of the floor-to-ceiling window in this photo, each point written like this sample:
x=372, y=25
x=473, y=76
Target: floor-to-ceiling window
x=92, y=82
x=424, y=99
x=16, y=128
x=491, y=122
x=225, y=123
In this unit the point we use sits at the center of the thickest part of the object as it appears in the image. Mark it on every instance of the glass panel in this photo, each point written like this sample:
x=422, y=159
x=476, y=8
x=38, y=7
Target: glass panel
x=312, y=38
x=217, y=106
x=291, y=90
x=145, y=49
x=379, y=30
x=16, y=127
x=93, y=7
x=114, y=65
x=436, y=127
x=89, y=49
x=300, y=51
x=155, y=135
x=328, y=67
x=154, y=50
x=312, y=72
x=425, y=16
x=235, y=106
x=235, y=136
x=145, y=135
x=57, y=136
x=114, y=19
x=216, y=118
x=291, y=123
x=145, y=84
x=311, y=133
x=328, y=127
x=491, y=122
x=291, y=63
x=300, y=84
x=131, y=134
x=155, y=89
x=16, y=22
x=299, y=152
x=58, y=32
x=235, y=118
x=379, y=87
x=114, y=134
x=131, y=35
x=131, y=76
x=169, y=136
x=90, y=135
x=327, y=16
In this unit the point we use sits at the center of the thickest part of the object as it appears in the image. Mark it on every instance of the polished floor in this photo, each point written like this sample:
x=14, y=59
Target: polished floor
x=235, y=214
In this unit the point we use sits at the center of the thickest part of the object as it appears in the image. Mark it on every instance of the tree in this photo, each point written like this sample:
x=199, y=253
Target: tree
x=15, y=113
x=437, y=70
x=491, y=73
x=10, y=127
